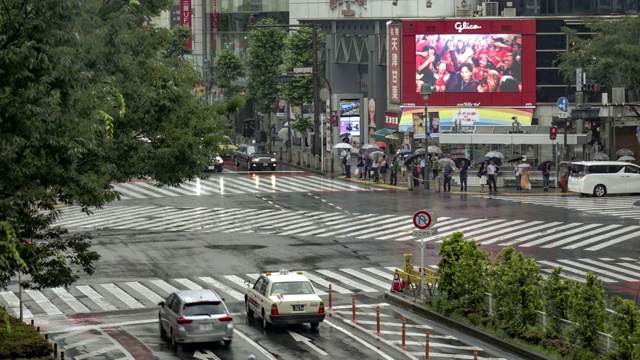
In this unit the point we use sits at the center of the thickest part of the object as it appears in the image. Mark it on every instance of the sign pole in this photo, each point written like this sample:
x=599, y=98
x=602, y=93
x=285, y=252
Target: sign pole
x=421, y=264
x=423, y=220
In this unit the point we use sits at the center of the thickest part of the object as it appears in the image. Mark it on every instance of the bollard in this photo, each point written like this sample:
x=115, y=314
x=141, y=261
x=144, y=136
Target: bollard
x=426, y=346
x=404, y=333
x=32, y=323
x=475, y=354
x=378, y=320
x=353, y=307
x=55, y=349
x=61, y=355
x=298, y=157
x=290, y=156
x=330, y=299
x=46, y=336
x=38, y=329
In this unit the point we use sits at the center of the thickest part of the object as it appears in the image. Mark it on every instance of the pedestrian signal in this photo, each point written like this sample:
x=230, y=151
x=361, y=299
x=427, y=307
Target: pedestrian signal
x=334, y=120
x=553, y=133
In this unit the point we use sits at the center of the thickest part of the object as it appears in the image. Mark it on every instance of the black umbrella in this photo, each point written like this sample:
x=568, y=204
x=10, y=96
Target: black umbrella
x=496, y=160
x=481, y=160
x=518, y=158
x=544, y=163
x=458, y=161
x=410, y=159
x=344, y=135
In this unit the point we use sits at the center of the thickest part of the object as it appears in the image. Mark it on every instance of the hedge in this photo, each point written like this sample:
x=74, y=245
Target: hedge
x=22, y=341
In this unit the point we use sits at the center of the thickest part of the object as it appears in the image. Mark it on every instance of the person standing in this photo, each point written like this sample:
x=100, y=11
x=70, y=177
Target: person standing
x=434, y=166
x=525, y=183
x=425, y=177
x=343, y=161
x=492, y=170
x=383, y=168
x=360, y=166
x=274, y=136
x=395, y=167
x=448, y=174
x=482, y=174
x=463, y=175
x=368, y=167
x=518, y=172
x=415, y=173
x=403, y=166
x=375, y=167
x=545, y=176
x=347, y=165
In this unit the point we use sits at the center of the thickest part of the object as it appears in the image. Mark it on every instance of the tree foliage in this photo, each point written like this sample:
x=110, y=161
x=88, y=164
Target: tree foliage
x=556, y=293
x=516, y=290
x=587, y=312
x=228, y=68
x=462, y=272
x=625, y=326
x=264, y=57
x=299, y=53
x=609, y=55
x=90, y=93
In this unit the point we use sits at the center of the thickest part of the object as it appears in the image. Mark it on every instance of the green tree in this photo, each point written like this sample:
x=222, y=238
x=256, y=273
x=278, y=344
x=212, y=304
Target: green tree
x=515, y=288
x=556, y=294
x=462, y=273
x=587, y=312
x=178, y=42
x=625, y=324
x=608, y=55
x=228, y=68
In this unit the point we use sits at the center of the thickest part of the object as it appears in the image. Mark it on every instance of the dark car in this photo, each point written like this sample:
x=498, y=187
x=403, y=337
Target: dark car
x=254, y=157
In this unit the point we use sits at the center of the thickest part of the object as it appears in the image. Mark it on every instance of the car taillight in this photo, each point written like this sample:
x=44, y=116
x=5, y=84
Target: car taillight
x=226, y=318
x=274, y=309
x=183, y=321
x=321, y=308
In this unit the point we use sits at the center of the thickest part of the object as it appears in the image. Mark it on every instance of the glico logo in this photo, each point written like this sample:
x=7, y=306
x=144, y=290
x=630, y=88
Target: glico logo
x=460, y=26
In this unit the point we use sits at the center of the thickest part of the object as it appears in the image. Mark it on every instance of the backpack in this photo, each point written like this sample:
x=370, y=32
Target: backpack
x=344, y=160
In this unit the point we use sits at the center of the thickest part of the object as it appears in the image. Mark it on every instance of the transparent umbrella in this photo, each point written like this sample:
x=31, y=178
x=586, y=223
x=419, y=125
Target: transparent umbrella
x=445, y=161
x=494, y=153
x=370, y=146
x=342, y=146
x=434, y=149
x=626, y=158
x=600, y=157
x=624, y=152
x=283, y=133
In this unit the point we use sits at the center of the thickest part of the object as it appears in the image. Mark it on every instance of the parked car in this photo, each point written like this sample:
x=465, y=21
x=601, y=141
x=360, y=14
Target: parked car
x=604, y=177
x=254, y=157
x=195, y=316
x=284, y=298
x=215, y=163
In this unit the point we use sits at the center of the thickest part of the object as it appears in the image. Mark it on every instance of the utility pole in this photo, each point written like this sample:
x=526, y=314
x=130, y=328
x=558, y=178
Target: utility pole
x=316, y=100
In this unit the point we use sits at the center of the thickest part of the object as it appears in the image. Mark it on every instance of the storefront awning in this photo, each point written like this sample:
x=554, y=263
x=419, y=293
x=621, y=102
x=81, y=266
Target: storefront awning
x=382, y=133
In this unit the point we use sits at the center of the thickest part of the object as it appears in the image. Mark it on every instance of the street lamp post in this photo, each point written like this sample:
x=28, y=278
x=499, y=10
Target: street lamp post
x=425, y=91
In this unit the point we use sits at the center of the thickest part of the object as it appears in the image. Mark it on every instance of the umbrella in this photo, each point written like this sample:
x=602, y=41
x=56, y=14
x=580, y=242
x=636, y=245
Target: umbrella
x=518, y=158
x=481, y=160
x=370, y=146
x=600, y=157
x=458, y=161
x=626, y=158
x=344, y=135
x=343, y=146
x=406, y=152
x=524, y=165
x=445, y=161
x=624, y=152
x=496, y=154
x=376, y=155
x=381, y=144
x=410, y=159
x=283, y=133
x=419, y=151
x=544, y=163
x=434, y=150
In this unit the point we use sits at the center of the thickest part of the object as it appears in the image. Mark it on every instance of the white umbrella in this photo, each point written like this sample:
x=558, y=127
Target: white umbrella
x=600, y=157
x=625, y=152
x=626, y=158
x=434, y=149
x=376, y=155
x=283, y=133
x=524, y=165
x=370, y=146
x=445, y=161
x=342, y=146
x=494, y=153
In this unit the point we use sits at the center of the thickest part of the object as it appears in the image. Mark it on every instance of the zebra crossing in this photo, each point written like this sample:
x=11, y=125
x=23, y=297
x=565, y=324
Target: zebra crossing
x=619, y=206
x=609, y=270
x=132, y=295
x=385, y=227
x=234, y=184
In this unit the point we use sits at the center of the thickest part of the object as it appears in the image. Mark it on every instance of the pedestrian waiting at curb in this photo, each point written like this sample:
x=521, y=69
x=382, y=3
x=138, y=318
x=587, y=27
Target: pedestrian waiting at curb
x=546, y=170
x=434, y=166
x=395, y=167
x=482, y=174
x=448, y=174
x=518, y=173
x=525, y=181
x=415, y=173
x=383, y=168
x=425, y=177
x=492, y=172
x=360, y=166
x=368, y=167
x=343, y=155
x=403, y=166
x=375, y=170
x=463, y=175
x=347, y=164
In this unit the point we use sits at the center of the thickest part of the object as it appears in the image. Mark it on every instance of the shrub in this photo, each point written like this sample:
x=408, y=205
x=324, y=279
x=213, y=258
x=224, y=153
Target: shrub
x=587, y=312
x=22, y=341
x=556, y=291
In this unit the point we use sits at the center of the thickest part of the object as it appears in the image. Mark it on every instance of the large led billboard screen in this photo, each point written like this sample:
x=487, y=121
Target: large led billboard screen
x=469, y=63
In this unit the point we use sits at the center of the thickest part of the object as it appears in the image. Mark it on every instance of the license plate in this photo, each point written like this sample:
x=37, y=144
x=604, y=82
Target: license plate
x=204, y=327
x=265, y=164
x=297, y=307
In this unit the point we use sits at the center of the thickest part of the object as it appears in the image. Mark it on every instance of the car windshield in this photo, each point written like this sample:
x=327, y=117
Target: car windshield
x=292, y=288
x=253, y=149
x=203, y=308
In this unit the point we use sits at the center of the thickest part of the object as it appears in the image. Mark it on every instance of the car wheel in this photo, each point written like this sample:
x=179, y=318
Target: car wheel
x=163, y=334
x=599, y=191
x=226, y=343
x=265, y=323
x=314, y=325
x=249, y=311
x=174, y=344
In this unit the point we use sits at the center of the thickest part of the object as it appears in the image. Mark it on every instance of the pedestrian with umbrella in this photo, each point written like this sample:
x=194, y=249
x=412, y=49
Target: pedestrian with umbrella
x=545, y=167
x=393, y=180
x=482, y=174
x=463, y=174
x=434, y=166
x=448, y=174
x=492, y=171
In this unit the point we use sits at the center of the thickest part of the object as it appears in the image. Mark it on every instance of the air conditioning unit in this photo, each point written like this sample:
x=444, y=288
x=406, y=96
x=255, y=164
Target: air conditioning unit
x=490, y=9
x=509, y=12
x=464, y=12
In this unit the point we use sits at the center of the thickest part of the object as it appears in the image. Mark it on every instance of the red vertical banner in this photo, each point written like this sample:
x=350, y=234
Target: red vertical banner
x=393, y=63
x=185, y=19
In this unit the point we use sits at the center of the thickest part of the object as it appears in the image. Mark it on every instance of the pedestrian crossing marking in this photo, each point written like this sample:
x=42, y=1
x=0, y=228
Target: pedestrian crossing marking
x=215, y=283
x=96, y=297
x=122, y=296
x=144, y=291
x=70, y=300
x=234, y=184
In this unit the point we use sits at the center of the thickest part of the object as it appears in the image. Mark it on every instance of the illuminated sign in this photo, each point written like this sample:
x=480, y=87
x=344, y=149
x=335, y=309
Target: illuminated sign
x=394, y=64
x=461, y=26
x=185, y=19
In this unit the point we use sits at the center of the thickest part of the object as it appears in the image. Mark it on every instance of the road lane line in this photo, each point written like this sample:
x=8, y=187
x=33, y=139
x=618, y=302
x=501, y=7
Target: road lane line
x=360, y=340
x=254, y=344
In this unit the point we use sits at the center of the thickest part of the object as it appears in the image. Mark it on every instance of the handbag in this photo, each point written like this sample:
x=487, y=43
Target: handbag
x=357, y=172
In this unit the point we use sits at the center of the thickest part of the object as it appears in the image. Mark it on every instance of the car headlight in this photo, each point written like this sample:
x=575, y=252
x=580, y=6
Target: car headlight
x=273, y=159
x=255, y=159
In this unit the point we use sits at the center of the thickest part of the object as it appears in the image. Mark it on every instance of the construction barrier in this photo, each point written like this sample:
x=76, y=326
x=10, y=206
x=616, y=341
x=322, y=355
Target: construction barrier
x=409, y=277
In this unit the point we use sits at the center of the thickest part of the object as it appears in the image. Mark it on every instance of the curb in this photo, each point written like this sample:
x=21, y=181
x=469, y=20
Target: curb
x=411, y=305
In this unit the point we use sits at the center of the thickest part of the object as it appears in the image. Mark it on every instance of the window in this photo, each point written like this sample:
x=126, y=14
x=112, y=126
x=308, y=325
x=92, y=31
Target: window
x=258, y=284
x=263, y=287
x=203, y=308
x=630, y=169
x=292, y=288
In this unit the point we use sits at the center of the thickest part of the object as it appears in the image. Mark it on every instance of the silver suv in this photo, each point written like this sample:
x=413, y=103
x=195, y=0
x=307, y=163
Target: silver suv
x=195, y=316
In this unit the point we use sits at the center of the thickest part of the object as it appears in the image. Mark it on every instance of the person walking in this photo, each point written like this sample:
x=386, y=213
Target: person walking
x=525, y=183
x=274, y=136
x=415, y=173
x=482, y=174
x=347, y=164
x=463, y=175
x=343, y=155
x=395, y=167
x=383, y=168
x=448, y=174
x=546, y=171
x=492, y=171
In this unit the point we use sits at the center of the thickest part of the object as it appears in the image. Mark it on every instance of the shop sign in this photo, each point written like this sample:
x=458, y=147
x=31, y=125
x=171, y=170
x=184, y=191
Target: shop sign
x=391, y=120
x=185, y=19
x=461, y=26
x=393, y=63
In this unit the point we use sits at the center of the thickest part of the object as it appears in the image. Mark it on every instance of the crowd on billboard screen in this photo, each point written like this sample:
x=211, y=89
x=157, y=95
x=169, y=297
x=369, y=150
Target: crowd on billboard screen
x=469, y=63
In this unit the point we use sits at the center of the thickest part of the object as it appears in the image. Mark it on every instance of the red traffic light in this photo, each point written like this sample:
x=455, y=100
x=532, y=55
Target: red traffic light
x=334, y=121
x=553, y=133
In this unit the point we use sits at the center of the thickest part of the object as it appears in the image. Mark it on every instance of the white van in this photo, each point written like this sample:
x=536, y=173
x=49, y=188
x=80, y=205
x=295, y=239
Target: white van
x=604, y=177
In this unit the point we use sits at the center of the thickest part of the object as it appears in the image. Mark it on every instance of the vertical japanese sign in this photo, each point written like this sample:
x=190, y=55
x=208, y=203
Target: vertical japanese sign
x=214, y=18
x=185, y=19
x=393, y=63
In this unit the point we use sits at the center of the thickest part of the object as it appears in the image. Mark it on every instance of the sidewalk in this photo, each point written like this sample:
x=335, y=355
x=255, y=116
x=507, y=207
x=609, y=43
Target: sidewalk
x=402, y=182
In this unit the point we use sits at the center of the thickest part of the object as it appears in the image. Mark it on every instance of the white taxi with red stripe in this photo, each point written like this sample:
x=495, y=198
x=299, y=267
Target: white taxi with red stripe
x=284, y=298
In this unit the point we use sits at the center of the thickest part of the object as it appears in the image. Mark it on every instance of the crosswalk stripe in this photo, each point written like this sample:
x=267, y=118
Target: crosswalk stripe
x=516, y=235
x=590, y=268
x=233, y=225
x=189, y=284
x=121, y=217
x=383, y=274
x=346, y=280
x=70, y=300
x=119, y=211
x=615, y=241
x=14, y=305
x=125, y=222
x=614, y=268
x=199, y=213
x=346, y=228
x=597, y=238
x=144, y=291
x=322, y=282
x=139, y=187
x=241, y=184
x=562, y=233
x=43, y=302
x=571, y=269
x=366, y=278
x=295, y=185
x=176, y=217
x=164, y=286
x=580, y=236
x=381, y=221
x=180, y=190
x=226, y=289
x=500, y=228
x=130, y=194
x=157, y=188
x=296, y=229
x=122, y=296
x=631, y=266
x=93, y=295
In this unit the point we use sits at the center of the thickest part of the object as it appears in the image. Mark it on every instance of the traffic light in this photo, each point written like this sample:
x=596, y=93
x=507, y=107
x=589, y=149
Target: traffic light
x=334, y=121
x=553, y=133
x=595, y=130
